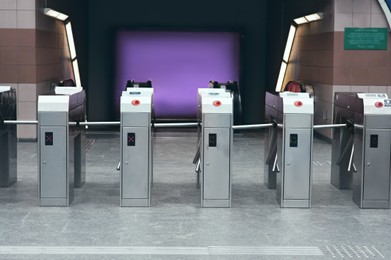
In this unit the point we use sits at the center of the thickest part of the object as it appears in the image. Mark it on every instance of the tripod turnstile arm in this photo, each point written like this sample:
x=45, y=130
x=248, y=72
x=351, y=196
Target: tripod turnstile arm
x=351, y=163
x=276, y=168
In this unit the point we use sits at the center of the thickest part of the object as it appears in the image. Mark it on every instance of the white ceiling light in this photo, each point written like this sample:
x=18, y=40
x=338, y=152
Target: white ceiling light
x=308, y=18
x=55, y=14
x=289, y=43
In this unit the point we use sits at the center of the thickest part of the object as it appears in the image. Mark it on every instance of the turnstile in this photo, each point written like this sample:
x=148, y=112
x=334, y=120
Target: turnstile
x=291, y=159
x=57, y=145
x=136, y=147
x=342, y=142
x=215, y=113
x=370, y=155
x=8, y=145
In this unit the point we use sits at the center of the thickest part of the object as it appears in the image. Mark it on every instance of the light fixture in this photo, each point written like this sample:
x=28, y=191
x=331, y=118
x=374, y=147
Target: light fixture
x=289, y=43
x=71, y=41
x=55, y=14
x=314, y=17
x=281, y=76
x=386, y=6
x=76, y=73
x=300, y=20
x=308, y=18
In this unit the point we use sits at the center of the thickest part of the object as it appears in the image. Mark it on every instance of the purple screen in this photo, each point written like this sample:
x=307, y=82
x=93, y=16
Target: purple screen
x=177, y=63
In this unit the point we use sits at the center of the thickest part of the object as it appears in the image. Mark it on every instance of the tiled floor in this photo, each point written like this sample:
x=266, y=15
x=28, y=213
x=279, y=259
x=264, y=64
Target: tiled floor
x=175, y=227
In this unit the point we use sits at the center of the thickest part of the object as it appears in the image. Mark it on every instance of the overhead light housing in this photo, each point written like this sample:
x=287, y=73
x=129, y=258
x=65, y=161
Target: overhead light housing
x=281, y=76
x=386, y=6
x=55, y=14
x=308, y=18
x=300, y=20
x=71, y=41
x=314, y=17
x=289, y=43
x=76, y=73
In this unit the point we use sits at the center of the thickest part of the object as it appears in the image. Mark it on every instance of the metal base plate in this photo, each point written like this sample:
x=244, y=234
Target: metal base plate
x=375, y=204
x=135, y=202
x=295, y=204
x=215, y=203
x=54, y=202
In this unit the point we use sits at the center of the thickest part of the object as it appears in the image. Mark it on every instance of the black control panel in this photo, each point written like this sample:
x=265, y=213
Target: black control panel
x=212, y=140
x=49, y=138
x=374, y=141
x=131, y=139
x=293, y=140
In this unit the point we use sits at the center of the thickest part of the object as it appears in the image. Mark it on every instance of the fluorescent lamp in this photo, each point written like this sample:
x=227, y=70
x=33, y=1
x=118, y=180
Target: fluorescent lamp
x=386, y=10
x=76, y=73
x=55, y=14
x=281, y=76
x=289, y=43
x=71, y=42
x=314, y=17
x=300, y=20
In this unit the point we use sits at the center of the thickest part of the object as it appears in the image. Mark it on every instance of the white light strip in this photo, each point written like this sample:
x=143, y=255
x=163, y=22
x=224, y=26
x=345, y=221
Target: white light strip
x=71, y=42
x=314, y=17
x=76, y=73
x=281, y=76
x=55, y=14
x=289, y=43
x=300, y=20
x=386, y=11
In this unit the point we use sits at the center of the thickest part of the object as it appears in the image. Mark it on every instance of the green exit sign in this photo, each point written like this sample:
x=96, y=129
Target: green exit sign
x=366, y=38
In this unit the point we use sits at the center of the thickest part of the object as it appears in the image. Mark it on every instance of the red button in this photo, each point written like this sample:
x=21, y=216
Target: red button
x=298, y=103
x=379, y=104
x=217, y=103
x=135, y=102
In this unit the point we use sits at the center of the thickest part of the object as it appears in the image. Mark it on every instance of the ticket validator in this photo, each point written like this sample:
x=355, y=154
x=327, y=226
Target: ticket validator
x=216, y=115
x=57, y=143
x=293, y=137
x=364, y=156
x=136, y=147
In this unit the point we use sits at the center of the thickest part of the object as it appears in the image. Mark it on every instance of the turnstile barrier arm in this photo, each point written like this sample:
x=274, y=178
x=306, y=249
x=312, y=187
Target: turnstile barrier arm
x=351, y=163
x=275, y=165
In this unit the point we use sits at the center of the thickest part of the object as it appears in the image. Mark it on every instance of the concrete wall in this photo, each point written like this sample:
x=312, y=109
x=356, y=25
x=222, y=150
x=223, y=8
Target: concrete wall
x=33, y=53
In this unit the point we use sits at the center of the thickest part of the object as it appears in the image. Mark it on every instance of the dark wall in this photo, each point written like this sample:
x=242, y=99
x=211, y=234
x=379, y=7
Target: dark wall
x=248, y=17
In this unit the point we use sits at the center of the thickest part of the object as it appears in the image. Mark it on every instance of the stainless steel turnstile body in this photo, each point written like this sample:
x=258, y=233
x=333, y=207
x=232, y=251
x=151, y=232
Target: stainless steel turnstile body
x=342, y=142
x=8, y=148
x=57, y=145
x=216, y=114
x=293, y=116
x=372, y=151
x=273, y=114
x=136, y=147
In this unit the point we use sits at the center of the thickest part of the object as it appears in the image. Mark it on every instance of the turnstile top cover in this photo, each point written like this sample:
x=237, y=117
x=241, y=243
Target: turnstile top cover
x=53, y=103
x=60, y=90
x=376, y=104
x=137, y=100
x=5, y=88
x=216, y=101
x=297, y=103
